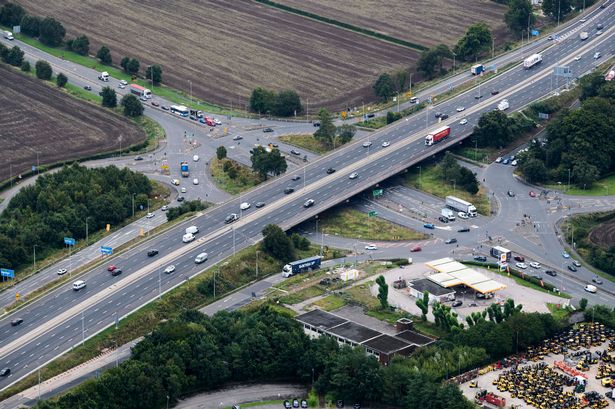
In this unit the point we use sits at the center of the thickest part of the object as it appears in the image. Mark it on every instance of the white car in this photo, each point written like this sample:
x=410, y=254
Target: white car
x=521, y=265
x=123, y=82
x=164, y=208
x=195, y=158
x=371, y=247
x=590, y=288
x=535, y=264
x=514, y=162
x=150, y=215
x=217, y=121
x=385, y=144
x=499, y=159
x=245, y=206
x=195, y=181
x=367, y=144
x=577, y=58
x=169, y=269
x=353, y=175
x=463, y=121
x=121, y=86
x=183, y=190
x=461, y=109
x=462, y=215
x=62, y=271
x=597, y=55
x=599, y=32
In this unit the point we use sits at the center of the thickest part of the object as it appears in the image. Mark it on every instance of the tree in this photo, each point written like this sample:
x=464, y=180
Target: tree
x=104, y=55
x=585, y=174
x=124, y=64
x=493, y=129
x=345, y=133
x=383, y=292
x=52, y=32
x=534, y=170
x=467, y=180
x=287, y=103
x=264, y=162
x=43, y=70
x=4, y=52
x=132, y=105
x=220, y=152
x=557, y=9
x=15, y=56
x=31, y=25
x=157, y=74
x=277, y=244
x=133, y=66
x=384, y=87
x=109, y=97
x=80, y=45
x=356, y=376
x=25, y=66
x=262, y=101
x=11, y=14
x=427, y=63
x=326, y=132
x=401, y=78
x=475, y=42
x=516, y=18
x=423, y=304
x=61, y=80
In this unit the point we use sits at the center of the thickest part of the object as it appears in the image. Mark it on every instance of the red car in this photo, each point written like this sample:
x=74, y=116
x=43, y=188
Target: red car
x=415, y=249
x=520, y=258
x=111, y=267
x=532, y=194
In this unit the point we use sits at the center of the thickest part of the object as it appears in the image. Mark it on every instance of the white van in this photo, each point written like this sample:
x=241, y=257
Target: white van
x=192, y=230
x=188, y=237
x=200, y=258
x=591, y=288
x=78, y=285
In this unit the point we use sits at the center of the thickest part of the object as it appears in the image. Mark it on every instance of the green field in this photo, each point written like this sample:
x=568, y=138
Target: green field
x=331, y=302
x=603, y=187
x=245, y=180
x=305, y=141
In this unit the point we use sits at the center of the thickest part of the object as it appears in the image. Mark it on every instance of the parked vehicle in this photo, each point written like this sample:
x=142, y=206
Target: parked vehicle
x=532, y=60
x=449, y=214
x=460, y=205
x=437, y=135
x=443, y=219
x=597, y=281
x=299, y=266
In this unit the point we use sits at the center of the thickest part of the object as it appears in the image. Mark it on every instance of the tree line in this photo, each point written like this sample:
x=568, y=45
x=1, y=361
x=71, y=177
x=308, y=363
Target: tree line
x=283, y=103
x=60, y=205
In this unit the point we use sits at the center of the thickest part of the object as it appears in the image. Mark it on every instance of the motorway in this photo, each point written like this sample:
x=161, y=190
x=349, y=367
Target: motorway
x=63, y=318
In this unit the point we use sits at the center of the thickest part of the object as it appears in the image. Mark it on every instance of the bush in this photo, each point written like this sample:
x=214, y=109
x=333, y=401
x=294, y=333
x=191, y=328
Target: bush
x=221, y=152
x=11, y=14
x=132, y=106
x=104, y=55
x=25, y=66
x=52, y=32
x=15, y=57
x=43, y=70
x=61, y=80
x=80, y=45
x=185, y=207
x=31, y=26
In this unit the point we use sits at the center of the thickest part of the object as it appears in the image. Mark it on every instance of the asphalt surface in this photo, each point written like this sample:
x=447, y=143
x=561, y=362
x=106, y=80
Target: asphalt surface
x=64, y=317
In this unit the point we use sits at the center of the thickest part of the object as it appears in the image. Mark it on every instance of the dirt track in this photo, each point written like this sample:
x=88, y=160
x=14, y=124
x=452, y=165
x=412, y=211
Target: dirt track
x=226, y=48
x=603, y=235
x=37, y=118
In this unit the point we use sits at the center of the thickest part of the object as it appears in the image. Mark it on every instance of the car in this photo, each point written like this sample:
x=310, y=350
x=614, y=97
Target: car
x=149, y=215
x=457, y=303
x=194, y=117
x=138, y=158
x=295, y=403
x=438, y=114
x=245, y=206
x=499, y=159
x=576, y=263
x=353, y=175
x=463, y=230
x=116, y=272
x=295, y=178
x=123, y=82
x=316, y=124
x=295, y=152
x=510, y=193
x=521, y=265
x=478, y=96
x=444, y=116
x=111, y=268
x=532, y=193
x=258, y=205
x=5, y=372
x=443, y=219
x=463, y=121
x=577, y=58
x=165, y=107
x=495, y=92
x=386, y=144
x=195, y=181
x=308, y=203
x=450, y=241
x=304, y=403
x=288, y=190
x=599, y=26
x=572, y=268
x=121, y=86
x=371, y=247
x=367, y=144
x=169, y=269
x=565, y=254
x=463, y=215
x=237, y=137
x=183, y=190
x=597, y=281
x=590, y=288
x=583, y=20
x=551, y=273
x=155, y=104
x=535, y=264
x=216, y=121
x=599, y=32
x=429, y=226
x=519, y=258
x=152, y=253
x=537, y=277
x=275, y=145
x=515, y=162
x=267, y=130
x=62, y=271
x=180, y=198
x=143, y=98
x=16, y=322
x=597, y=55
x=461, y=109
x=505, y=161
x=287, y=405
x=330, y=171
x=175, y=182
x=195, y=158
x=87, y=88
x=415, y=249
x=231, y=218
x=480, y=258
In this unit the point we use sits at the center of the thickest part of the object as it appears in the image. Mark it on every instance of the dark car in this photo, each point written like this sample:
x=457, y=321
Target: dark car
x=87, y=87
x=444, y=116
x=295, y=152
x=572, y=268
x=478, y=96
x=495, y=92
x=180, y=198
x=258, y=205
x=288, y=190
x=457, y=303
x=443, y=219
x=520, y=258
x=451, y=241
x=16, y=322
x=330, y=171
x=438, y=114
x=5, y=372
x=154, y=103
x=551, y=273
x=480, y=258
x=296, y=177
x=231, y=218
x=193, y=117
x=415, y=249
x=463, y=230
x=267, y=130
x=166, y=108
x=116, y=272
x=510, y=193
x=152, y=253
x=275, y=145
x=316, y=124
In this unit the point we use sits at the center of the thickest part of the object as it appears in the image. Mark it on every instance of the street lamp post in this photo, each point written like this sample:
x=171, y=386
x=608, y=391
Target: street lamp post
x=86, y=230
x=420, y=174
x=257, y=263
x=34, y=264
x=133, y=205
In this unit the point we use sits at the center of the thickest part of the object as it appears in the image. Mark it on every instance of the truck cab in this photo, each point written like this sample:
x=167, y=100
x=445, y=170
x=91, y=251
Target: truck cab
x=104, y=76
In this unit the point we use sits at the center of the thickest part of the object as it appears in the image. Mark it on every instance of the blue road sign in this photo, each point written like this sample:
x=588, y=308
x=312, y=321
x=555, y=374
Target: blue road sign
x=33, y=168
x=5, y=272
x=70, y=241
x=106, y=250
x=535, y=32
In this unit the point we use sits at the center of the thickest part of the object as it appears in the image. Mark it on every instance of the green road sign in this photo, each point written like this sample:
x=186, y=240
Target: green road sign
x=377, y=192
x=372, y=213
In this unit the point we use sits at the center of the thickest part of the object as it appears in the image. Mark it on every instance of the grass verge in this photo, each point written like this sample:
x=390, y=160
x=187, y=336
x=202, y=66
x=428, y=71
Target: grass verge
x=244, y=180
x=602, y=187
x=560, y=312
x=331, y=302
x=427, y=179
x=302, y=295
x=355, y=224
x=305, y=141
x=153, y=130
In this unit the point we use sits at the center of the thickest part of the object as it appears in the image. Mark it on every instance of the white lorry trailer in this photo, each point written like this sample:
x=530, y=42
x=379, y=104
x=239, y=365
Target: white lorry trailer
x=460, y=205
x=532, y=60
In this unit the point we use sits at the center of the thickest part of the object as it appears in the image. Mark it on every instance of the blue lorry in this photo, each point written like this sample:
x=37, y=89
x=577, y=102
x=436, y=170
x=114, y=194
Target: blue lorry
x=299, y=266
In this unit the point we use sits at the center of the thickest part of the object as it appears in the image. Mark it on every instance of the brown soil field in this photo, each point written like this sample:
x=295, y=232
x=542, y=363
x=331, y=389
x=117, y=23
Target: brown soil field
x=424, y=22
x=226, y=48
x=603, y=235
x=37, y=118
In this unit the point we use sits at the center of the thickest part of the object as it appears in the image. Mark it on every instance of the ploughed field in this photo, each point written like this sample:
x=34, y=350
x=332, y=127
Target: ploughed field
x=422, y=22
x=37, y=118
x=603, y=235
x=226, y=48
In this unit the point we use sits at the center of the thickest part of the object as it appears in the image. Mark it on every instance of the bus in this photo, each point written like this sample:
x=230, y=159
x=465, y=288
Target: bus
x=497, y=252
x=180, y=110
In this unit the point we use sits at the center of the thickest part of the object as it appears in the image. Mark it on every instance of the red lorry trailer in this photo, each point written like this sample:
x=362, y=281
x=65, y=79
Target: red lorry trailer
x=437, y=135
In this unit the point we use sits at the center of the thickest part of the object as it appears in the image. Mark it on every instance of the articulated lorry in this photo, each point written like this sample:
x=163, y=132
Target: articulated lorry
x=437, y=135
x=299, y=266
x=460, y=205
x=532, y=60
x=140, y=91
